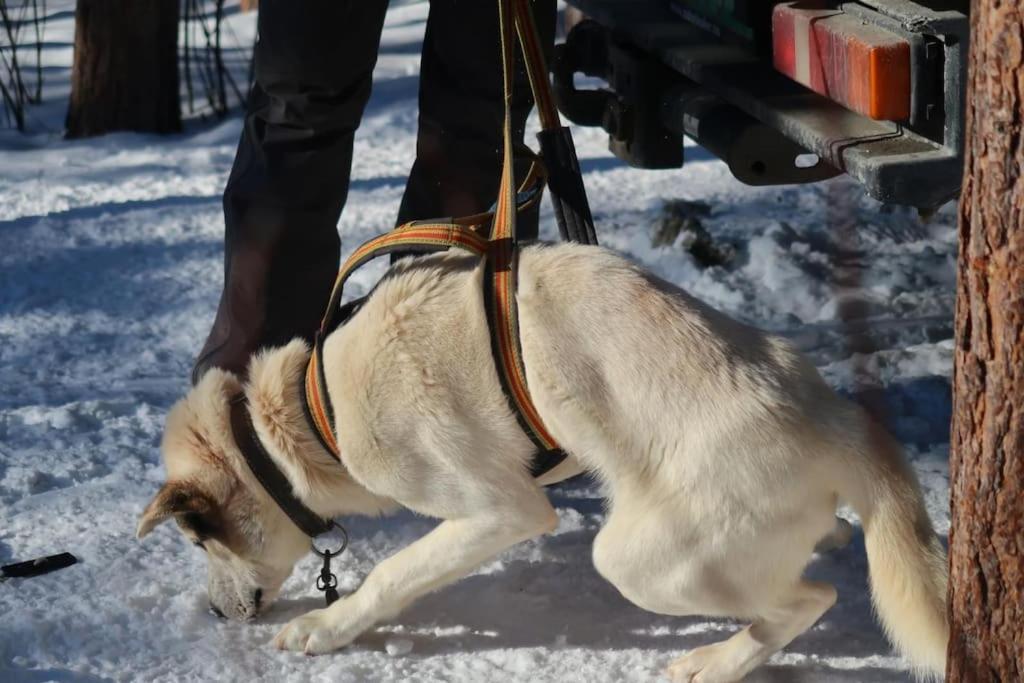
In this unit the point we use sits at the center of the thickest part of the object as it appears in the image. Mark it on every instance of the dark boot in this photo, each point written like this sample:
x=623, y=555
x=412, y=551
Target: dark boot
x=314, y=64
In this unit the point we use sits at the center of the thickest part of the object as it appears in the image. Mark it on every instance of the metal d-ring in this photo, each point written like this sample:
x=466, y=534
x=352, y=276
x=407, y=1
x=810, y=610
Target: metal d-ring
x=327, y=554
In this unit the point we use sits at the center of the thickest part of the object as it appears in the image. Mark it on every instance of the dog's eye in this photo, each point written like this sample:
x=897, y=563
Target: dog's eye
x=199, y=544
x=200, y=525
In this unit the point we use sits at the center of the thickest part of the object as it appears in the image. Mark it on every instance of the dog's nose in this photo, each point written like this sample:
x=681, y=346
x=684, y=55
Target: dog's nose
x=216, y=612
x=257, y=598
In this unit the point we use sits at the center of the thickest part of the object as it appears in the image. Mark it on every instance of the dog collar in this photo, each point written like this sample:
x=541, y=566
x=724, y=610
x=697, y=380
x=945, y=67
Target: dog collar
x=277, y=486
x=269, y=475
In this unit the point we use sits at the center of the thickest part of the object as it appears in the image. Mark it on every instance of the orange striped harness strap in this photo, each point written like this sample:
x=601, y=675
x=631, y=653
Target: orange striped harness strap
x=424, y=237
x=502, y=265
x=500, y=248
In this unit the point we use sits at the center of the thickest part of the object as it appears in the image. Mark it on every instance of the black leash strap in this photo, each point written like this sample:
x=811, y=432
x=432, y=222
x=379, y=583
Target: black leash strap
x=565, y=183
x=36, y=567
x=267, y=473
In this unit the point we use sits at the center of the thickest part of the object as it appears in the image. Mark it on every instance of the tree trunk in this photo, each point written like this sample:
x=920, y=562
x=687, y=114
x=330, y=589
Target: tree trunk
x=125, y=74
x=987, y=460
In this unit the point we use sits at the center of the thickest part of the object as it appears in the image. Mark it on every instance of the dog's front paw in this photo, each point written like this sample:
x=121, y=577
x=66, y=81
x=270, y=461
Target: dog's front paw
x=315, y=633
x=707, y=664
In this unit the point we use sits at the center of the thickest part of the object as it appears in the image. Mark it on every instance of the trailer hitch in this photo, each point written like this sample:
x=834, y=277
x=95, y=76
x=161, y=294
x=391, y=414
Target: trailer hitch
x=630, y=111
x=647, y=108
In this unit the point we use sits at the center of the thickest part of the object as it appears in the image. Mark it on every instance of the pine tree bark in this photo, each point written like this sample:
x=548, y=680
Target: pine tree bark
x=987, y=459
x=125, y=73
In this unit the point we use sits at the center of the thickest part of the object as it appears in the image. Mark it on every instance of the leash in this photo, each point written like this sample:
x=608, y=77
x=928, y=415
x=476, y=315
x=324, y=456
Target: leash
x=565, y=180
x=503, y=257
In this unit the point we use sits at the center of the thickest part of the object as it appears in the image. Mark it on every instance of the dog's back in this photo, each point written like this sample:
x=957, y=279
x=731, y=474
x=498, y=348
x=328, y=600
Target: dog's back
x=658, y=371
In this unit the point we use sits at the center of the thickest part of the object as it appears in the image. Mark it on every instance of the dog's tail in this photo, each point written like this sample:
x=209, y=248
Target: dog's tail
x=907, y=563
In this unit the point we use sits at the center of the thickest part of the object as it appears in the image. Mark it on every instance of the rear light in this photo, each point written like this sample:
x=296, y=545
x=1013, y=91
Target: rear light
x=866, y=68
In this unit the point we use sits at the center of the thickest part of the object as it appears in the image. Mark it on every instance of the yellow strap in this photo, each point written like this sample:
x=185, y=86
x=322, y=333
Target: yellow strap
x=536, y=69
x=502, y=263
x=318, y=401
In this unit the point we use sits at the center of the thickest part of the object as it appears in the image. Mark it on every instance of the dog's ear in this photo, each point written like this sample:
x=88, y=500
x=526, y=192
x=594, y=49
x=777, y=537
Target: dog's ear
x=173, y=499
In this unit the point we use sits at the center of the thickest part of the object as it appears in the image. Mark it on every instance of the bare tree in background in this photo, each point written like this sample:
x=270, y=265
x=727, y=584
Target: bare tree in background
x=204, y=69
x=18, y=26
x=125, y=73
x=987, y=463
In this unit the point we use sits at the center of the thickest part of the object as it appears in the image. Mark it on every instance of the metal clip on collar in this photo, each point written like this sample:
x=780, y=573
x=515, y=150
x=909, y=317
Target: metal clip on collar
x=327, y=582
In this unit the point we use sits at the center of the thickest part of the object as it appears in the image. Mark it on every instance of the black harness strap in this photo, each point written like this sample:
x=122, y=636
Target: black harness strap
x=266, y=471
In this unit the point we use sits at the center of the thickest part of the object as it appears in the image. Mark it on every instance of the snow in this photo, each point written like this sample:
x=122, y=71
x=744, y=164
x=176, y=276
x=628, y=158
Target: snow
x=398, y=647
x=110, y=269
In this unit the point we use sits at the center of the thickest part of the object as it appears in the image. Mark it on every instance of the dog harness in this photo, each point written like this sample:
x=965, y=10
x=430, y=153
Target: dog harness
x=491, y=236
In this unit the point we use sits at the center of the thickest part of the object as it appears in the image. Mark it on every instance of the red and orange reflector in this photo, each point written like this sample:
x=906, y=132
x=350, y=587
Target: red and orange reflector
x=863, y=67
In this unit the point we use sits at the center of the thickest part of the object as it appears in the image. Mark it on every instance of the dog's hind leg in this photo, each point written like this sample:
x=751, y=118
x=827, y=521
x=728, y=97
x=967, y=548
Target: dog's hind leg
x=727, y=563
x=447, y=553
x=732, y=659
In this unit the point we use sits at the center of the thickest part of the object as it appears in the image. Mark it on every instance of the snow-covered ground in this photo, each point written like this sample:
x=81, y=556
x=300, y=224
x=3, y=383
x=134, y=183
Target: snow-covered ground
x=110, y=269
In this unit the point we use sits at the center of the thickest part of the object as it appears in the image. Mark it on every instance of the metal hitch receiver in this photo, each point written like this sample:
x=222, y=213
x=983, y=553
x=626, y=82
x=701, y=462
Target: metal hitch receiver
x=649, y=107
x=631, y=111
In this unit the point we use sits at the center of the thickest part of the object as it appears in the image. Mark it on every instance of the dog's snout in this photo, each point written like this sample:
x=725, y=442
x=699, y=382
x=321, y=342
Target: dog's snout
x=216, y=611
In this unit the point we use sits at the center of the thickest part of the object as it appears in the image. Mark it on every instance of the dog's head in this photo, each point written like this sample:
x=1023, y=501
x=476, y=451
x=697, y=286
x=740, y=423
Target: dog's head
x=250, y=545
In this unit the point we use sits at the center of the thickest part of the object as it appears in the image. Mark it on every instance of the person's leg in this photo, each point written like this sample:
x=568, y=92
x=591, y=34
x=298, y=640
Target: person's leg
x=458, y=149
x=314, y=63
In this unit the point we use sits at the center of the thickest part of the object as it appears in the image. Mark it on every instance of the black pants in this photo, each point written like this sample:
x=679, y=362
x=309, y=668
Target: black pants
x=289, y=182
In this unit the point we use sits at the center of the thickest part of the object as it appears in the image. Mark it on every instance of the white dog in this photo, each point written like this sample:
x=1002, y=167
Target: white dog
x=722, y=452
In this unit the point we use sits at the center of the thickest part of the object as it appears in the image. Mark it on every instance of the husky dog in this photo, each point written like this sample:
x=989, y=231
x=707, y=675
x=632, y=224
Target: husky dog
x=722, y=453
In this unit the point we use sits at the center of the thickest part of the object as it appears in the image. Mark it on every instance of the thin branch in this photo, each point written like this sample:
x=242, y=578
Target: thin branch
x=218, y=58
x=39, y=26
x=188, y=65
x=204, y=62
x=15, y=70
x=13, y=107
x=16, y=94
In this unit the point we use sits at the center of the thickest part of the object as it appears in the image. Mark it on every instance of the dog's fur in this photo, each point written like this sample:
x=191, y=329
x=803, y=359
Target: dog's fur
x=722, y=452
